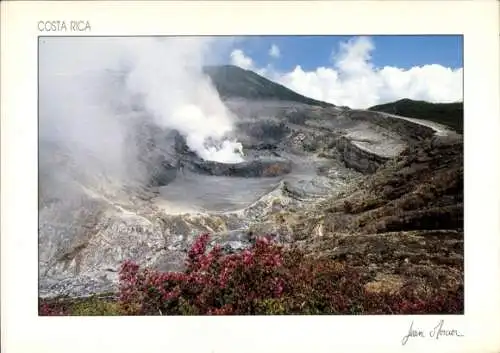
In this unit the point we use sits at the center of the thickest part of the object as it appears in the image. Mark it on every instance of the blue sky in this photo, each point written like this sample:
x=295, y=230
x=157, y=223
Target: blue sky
x=314, y=51
x=353, y=71
x=357, y=71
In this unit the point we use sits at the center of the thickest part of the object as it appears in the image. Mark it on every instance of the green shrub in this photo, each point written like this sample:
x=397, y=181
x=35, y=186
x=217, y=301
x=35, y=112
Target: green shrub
x=95, y=307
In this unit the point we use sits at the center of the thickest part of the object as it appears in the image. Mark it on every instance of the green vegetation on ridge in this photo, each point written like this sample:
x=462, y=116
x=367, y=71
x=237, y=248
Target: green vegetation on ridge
x=448, y=114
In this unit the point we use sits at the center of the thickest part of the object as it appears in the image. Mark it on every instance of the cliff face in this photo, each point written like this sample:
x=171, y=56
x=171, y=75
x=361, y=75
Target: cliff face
x=402, y=224
x=411, y=130
x=360, y=159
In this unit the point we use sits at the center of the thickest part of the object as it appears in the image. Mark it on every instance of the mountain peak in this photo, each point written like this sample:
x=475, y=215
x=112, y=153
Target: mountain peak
x=235, y=82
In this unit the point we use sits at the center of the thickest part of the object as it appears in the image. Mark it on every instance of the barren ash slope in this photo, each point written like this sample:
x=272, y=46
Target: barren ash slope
x=380, y=191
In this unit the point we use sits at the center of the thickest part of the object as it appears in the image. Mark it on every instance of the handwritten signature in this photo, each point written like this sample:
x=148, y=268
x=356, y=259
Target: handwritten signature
x=438, y=331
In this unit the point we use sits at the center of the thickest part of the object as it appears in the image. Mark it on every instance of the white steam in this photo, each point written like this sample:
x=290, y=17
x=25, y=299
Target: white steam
x=89, y=86
x=169, y=75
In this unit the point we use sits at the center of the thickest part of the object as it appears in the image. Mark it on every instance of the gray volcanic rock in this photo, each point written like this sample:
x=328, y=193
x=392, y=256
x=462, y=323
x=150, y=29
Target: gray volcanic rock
x=403, y=222
x=359, y=158
x=248, y=169
x=411, y=130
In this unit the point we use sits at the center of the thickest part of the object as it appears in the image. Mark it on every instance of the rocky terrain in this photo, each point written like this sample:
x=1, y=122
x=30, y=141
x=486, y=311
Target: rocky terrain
x=380, y=191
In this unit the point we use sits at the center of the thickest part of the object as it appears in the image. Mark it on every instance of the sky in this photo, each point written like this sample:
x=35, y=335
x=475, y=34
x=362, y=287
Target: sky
x=357, y=71
x=166, y=73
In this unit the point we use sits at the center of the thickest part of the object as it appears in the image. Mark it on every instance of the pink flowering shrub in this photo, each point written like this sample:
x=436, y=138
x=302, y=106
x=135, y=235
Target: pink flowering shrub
x=263, y=280
x=51, y=309
x=212, y=284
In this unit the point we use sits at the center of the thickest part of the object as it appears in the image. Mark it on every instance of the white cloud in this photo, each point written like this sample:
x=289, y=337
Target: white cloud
x=239, y=58
x=354, y=81
x=274, y=51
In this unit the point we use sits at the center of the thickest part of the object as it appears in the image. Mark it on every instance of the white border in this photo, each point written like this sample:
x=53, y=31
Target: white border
x=24, y=331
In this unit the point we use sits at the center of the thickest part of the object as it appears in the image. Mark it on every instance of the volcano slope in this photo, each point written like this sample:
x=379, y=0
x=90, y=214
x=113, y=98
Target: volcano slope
x=380, y=192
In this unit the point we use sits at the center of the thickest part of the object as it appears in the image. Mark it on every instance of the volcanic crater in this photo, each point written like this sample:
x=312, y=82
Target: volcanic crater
x=382, y=191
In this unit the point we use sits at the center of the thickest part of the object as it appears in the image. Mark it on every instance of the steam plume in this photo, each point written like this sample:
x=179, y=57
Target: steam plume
x=93, y=92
